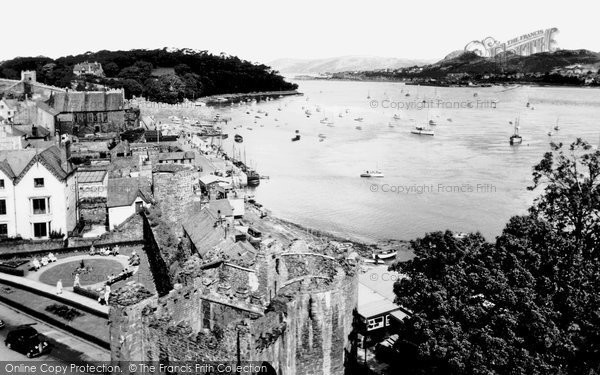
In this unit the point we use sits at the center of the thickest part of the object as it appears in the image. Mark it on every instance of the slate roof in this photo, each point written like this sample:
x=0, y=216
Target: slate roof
x=176, y=155
x=201, y=229
x=5, y=167
x=46, y=108
x=91, y=176
x=86, y=101
x=124, y=191
x=20, y=161
x=42, y=132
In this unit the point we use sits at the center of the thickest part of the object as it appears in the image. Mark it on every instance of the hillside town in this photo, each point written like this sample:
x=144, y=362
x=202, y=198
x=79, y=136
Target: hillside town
x=90, y=179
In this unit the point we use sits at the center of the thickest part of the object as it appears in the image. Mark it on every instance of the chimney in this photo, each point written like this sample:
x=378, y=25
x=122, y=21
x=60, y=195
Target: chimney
x=34, y=131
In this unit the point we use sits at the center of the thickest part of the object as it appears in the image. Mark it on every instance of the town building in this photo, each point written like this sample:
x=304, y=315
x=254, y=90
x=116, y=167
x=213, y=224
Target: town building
x=126, y=197
x=8, y=109
x=27, y=86
x=89, y=112
x=86, y=68
x=11, y=138
x=180, y=157
x=376, y=310
x=92, y=186
x=38, y=193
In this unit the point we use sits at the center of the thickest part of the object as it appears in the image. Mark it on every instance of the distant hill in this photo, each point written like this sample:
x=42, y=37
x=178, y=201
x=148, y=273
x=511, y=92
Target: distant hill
x=469, y=62
x=178, y=73
x=342, y=64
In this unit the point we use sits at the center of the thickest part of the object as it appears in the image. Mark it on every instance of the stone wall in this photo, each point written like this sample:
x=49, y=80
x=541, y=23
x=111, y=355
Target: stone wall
x=305, y=328
x=175, y=192
x=93, y=211
x=17, y=246
x=158, y=266
x=130, y=231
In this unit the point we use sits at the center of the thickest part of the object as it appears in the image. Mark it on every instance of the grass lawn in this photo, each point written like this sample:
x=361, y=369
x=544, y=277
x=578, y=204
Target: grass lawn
x=100, y=269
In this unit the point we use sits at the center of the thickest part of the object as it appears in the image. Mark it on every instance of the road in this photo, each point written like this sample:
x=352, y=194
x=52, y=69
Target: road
x=65, y=348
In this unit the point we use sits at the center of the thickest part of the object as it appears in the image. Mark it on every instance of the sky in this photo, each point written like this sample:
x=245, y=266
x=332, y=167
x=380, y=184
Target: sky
x=264, y=30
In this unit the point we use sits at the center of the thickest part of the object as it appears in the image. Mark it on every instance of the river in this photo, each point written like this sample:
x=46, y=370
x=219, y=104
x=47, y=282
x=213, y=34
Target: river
x=465, y=178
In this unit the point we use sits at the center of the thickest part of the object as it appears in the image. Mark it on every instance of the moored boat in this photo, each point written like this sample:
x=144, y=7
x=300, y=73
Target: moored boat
x=420, y=130
x=375, y=173
x=516, y=138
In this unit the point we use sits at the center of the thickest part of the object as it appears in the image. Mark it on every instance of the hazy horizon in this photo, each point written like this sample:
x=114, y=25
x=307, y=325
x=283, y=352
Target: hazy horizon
x=265, y=30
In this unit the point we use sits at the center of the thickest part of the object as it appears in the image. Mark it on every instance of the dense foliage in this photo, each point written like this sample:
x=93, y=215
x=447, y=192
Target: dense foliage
x=161, y=74
x=527, y=304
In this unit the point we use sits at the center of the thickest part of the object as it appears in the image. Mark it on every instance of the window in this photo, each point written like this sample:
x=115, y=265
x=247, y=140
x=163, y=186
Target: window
x=75, y=129
x=38, y=182
x=97, y=129
x=2, y=206
x=3, y=230
x=39, y=206
x=375, y=323
x=1, y=183
x=139, y=206
x=40, y=230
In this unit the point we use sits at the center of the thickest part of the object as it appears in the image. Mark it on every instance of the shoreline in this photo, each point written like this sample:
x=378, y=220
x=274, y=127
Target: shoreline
x=365, y=250
x=475, y=85
x=228, y=98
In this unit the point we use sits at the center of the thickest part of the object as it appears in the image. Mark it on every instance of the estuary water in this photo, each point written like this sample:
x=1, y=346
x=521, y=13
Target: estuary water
x=465, y=178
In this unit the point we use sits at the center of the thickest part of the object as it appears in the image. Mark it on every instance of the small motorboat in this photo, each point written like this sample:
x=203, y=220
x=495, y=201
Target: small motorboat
x=296, y=138
x=238, y=138
x=359, y=119
x=384, y=254
x=420, y=130
x=375, y=173
x=359, y=128
x=432, y=123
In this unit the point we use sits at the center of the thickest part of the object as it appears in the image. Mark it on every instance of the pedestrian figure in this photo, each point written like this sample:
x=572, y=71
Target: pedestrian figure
x=59, y=287
x=106, y=294
x=76, y=281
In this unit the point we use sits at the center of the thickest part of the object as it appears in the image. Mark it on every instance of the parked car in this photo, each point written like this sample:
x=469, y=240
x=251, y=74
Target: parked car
x=26, y=340
x=2, y=324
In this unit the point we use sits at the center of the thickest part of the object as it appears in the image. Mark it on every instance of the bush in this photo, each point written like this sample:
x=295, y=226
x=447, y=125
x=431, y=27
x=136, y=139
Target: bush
x=65, y=312
x=86, y=292
x=56, y=235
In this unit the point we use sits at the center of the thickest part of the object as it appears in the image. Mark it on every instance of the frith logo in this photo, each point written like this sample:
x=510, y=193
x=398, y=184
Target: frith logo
x=524, y=45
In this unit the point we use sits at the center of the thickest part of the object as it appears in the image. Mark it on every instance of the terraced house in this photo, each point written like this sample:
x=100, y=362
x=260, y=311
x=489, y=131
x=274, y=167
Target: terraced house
x=37, y=193
x=82, y=113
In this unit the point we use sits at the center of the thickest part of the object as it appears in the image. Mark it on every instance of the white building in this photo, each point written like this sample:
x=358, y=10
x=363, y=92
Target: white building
x=126, y=197
x=8, y=109
x=38, y=193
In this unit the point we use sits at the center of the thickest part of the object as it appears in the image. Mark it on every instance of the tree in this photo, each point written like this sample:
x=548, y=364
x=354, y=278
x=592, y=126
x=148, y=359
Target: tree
x=526, y=304
x=111, y=69
x=132, y=87
x=182, y=69
x=571, y=202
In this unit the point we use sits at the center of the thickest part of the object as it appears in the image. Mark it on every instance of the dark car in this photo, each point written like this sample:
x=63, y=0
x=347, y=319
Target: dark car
x=26, y=340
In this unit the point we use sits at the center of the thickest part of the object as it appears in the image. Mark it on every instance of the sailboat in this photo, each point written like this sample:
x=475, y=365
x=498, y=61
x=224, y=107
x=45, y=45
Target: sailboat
x=556, y=127
x=516, y=139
